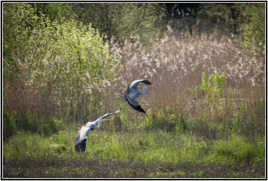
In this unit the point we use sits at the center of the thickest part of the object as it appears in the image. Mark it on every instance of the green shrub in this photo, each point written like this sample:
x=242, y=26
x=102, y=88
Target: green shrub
x=253, y=26
x=50, y=125
x=237, y=150
x=57, y=148
x=167, y=118
x=68, y=61
x=236, y=123
x=9, y=123
x=180, y=125
x=211, y=87
x=28, y=122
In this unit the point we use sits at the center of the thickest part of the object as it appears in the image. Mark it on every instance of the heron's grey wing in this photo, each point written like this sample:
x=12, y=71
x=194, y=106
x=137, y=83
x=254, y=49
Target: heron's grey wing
x=102, y=117
x=109, y=114
x=134, y=84
x=133, y=94
x=145, y=88
x=106, y=115
x=98, y=121
x=118, y=111
x=77, y=139
x=82, y=134
x=133, y=102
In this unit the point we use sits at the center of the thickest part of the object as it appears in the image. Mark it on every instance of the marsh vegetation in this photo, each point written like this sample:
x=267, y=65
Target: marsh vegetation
x=64, y=66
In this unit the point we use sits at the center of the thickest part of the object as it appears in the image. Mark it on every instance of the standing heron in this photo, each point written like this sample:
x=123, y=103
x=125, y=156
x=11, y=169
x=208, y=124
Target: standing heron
x=81, y=138
x=132, y=93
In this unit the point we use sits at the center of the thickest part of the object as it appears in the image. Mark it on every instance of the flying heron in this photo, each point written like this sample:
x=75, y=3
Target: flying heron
x=132, y=93
x=81, y=138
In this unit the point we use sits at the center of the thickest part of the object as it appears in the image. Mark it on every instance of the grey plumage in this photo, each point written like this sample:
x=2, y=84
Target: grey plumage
x=132, y=93
x=81, y=138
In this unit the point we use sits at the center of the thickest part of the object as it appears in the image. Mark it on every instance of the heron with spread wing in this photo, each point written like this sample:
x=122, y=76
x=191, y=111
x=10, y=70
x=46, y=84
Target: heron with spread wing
x=132, y=93
x=81, y=138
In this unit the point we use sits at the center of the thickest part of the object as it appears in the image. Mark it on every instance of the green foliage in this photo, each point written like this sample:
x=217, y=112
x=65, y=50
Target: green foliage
x=245, y=19
x=49, y=126
x=237, y=150
x=146, y=147
x=166, y=118
x=236, y=123
x=180, y=125
x=68, y=60
x=252, y=26
x=151, y=148
x=54, y=11
x=211, y=90
x=211, y=87
x=138, y=20
x=123, y=21
x=19, y=21
x=28, y=122
x=9, y=123
x=221, y=16
x=81, y=65
x=57, y=148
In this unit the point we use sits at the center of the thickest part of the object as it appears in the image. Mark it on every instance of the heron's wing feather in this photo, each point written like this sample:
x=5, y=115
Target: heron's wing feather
x=118, y=111
x=77, y=139
x=82, y=134
x=133, y=94
x=145, y=88
x=99, y=120
x=135, y=83
x=133, y=102
x=106, y=115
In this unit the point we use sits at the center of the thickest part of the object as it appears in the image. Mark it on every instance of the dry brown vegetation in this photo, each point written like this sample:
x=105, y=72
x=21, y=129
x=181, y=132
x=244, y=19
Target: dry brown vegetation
x=175, y=65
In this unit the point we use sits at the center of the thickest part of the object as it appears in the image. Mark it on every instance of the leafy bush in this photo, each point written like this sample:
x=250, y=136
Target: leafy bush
x=237, y=150
x=67, y=62
x=29, y=122
x=50, y=125
x=9, y=123
x=15, y=122
x=247, y=20
x=162, y=119
x=253, y=26
x=123, y=21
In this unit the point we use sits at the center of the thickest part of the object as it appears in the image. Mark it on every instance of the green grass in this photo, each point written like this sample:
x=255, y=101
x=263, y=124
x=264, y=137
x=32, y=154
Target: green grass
x=237, y=150
x=146, y=147
x=166, y=154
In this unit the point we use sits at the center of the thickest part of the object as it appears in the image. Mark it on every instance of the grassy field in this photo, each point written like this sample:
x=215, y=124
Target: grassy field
x=151, y=154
